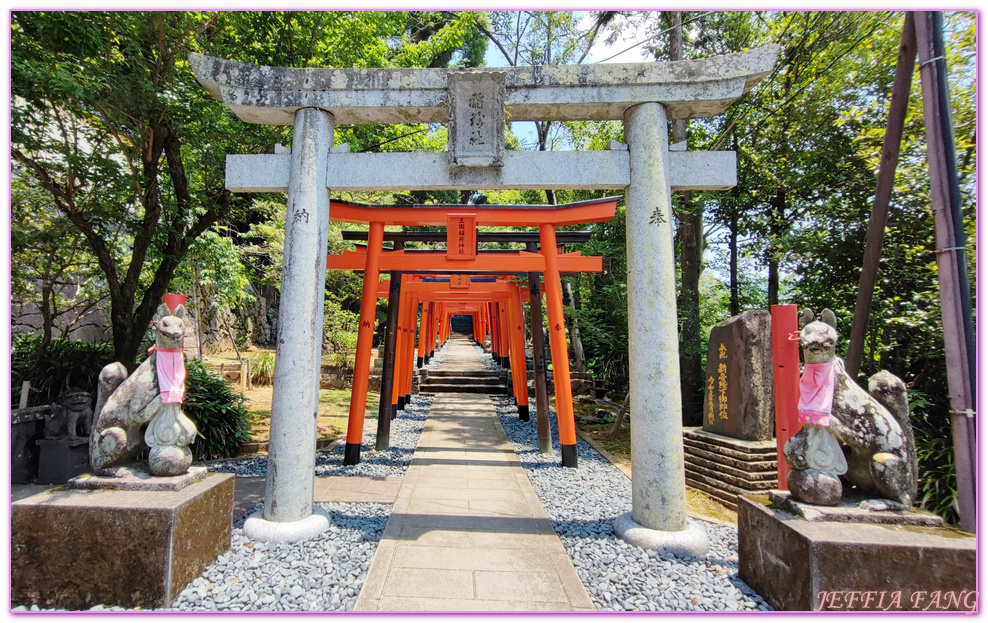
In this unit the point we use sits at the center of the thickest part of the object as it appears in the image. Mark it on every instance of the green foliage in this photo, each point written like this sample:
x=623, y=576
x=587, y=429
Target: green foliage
x=109, y=122
x=262, y=369
x=341, y=336
x=55, y=367
x=52, y=266
x=935, y=451
x=218, y=412
x=213, y=263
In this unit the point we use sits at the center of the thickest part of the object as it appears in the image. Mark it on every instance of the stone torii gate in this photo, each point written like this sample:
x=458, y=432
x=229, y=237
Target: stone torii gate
x=474, y=105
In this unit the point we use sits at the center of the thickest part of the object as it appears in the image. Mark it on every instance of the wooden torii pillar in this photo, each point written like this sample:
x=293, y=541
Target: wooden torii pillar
x=476, y=104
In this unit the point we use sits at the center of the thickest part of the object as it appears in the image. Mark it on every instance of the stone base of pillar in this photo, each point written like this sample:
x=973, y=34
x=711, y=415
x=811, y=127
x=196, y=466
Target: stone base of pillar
x=523, y=413
x=690, y=542
x=257, y=528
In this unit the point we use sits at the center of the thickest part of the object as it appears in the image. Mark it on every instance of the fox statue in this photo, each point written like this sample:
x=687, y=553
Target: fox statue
x=152, y=397
x=863, y=438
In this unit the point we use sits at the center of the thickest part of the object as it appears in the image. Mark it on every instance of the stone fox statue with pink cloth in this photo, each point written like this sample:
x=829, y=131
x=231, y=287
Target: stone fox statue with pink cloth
x=864, y=438
x=152, y=397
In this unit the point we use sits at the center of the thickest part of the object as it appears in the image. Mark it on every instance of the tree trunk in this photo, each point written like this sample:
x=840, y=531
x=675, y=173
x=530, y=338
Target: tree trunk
x=690, y=360
x=690, y=235
x=733, y=244
x=579, y=358
x=776, y=220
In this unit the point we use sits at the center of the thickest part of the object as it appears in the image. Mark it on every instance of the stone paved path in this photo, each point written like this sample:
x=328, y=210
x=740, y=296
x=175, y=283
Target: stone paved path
x=467, y=531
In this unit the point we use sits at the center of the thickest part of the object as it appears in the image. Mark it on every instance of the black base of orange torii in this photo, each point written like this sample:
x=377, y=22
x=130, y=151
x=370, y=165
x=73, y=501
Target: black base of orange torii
x=462, y=256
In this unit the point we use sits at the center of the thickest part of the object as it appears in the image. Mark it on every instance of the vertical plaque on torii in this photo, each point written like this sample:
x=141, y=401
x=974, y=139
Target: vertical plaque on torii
x=476, y=118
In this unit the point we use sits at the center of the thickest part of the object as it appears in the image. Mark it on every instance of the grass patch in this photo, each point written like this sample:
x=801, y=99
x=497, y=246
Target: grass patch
x=334, y=404
x=334, y=409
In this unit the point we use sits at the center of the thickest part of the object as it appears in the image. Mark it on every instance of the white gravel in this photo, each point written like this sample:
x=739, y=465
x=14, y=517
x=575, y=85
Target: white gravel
x=322, y=574
x=405, y=432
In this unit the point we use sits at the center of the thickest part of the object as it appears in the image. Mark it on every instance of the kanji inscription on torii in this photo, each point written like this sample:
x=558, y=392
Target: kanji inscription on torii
x=461, y=236
x=476, y=118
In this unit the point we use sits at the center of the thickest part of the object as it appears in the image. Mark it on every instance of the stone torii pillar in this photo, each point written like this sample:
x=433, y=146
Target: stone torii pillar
x=658, y=492
x=289, y=513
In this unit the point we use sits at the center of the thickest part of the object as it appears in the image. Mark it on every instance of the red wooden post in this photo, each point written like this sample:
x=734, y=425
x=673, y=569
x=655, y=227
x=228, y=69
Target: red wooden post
x=409, y=363
x=565, y=419
x=519, y=377
x=423, y=325
x=433, y=310
x=503, y=337
x=365, y=334
x=785, y=363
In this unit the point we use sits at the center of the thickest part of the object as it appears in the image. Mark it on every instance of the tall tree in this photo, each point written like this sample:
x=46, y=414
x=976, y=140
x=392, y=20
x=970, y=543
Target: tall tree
x=689, y=239
x=108, y=120
x=95, y=121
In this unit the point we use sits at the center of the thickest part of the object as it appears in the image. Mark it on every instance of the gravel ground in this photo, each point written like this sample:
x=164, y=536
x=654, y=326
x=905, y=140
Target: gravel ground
x=582, y=504
x=405, y=431
x=322, y=574
x=326, y=573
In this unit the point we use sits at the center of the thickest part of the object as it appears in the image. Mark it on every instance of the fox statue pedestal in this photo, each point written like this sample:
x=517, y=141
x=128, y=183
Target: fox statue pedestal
x=74, y=548
x=860, y=555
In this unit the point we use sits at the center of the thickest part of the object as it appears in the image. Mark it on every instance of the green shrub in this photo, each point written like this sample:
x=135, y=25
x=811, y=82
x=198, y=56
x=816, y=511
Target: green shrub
x=262, y=369
x=218, y=412
x=935, y=451
x=63, y=365
x=344, y=346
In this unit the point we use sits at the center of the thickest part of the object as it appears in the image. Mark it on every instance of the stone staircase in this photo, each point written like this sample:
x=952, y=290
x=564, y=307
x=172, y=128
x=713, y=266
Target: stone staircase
x=464, y=381
x=724, y=467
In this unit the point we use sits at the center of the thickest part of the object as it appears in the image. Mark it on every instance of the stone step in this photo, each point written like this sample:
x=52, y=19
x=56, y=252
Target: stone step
x=730, y=500
x=699, y=435
x=721, y=458
x=735, y=470
x=695, y=474
x=465, y=389
x=466, y=373
x=728, y=452
x=760, y=481
x=462, y=380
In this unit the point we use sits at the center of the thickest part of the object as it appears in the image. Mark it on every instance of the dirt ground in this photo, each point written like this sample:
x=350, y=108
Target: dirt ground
x=334, y=404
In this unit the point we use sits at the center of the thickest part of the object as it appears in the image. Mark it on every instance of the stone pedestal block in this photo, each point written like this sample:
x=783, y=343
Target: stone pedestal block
x=738, y=398
x=724, y=467
x=796, y=564
x=74, y=549
x=61, y=459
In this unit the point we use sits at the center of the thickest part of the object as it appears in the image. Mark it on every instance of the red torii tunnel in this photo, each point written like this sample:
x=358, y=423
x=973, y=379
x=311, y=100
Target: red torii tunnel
x=495, y=302
x=462, y=256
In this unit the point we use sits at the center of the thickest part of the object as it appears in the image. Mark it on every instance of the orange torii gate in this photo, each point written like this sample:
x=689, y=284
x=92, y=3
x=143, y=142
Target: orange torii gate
x=462, y=255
